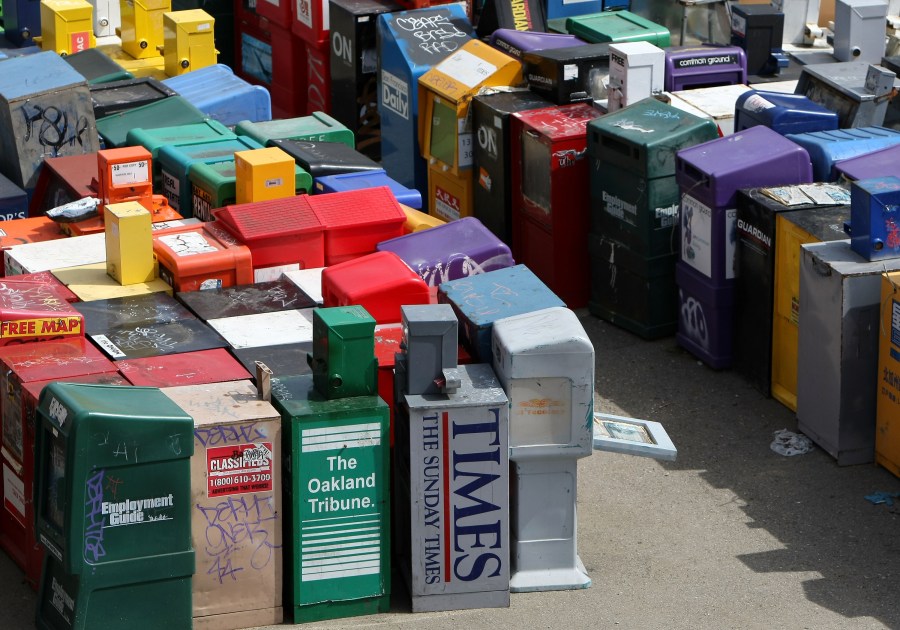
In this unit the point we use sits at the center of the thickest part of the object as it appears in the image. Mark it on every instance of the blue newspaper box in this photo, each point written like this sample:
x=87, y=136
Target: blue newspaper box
x=784, y=113
x=409, y=44
x=479, y=301
x=21, y=21
x=875, y=217
x=13, y=201
x=369, y=179
x=220, y=94
x=827, y=147
x=45, y=112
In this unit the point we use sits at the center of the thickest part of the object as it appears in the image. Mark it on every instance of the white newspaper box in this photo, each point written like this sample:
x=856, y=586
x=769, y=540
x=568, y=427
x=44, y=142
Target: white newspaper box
x=546, y=364
x=545, y=361
x=636, y=71
x=107, y=17
x=859, y=30
x=451, y=462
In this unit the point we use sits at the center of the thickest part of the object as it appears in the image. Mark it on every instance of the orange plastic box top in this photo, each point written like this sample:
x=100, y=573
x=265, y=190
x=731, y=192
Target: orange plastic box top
x=29, y=230
x=192, y=258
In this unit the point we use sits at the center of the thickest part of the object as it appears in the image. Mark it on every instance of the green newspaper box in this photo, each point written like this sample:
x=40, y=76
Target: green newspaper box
x=113, y=508
x=337, y=513
x=343, y=358
x=317, y=127
x=336, y=501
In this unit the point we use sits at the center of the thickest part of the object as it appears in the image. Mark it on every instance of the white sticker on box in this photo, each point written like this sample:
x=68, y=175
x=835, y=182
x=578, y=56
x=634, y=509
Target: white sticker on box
x=696, y=235
x=187, y=244
x=274, y=182
x=130, y=173
x=730, y=236
x=468, y=69
x=570, y=72
x=756, y=103
x=107, y=345
x=165, y=225
x=171, y=189
x=303, y=12
x=446, y=206
x=466, y=150
x=738, y=24
x=394, y=94
x=13, y=494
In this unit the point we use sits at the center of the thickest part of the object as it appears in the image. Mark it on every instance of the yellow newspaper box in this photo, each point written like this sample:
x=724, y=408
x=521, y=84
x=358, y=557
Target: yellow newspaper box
x=189, y=43
x=142, y=27
x=129, y=243
x=450, y=196
x=445, y=91
x=262, y=174
x=67, y=26
x=445, y=123
x=887, y=414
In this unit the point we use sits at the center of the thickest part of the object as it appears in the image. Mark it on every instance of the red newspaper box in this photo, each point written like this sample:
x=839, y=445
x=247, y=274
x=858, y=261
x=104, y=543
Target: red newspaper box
x=186, y=368
x=26, y=368
x=380, y=282
x=280, y=232
x=551, y=200
x=356, y=221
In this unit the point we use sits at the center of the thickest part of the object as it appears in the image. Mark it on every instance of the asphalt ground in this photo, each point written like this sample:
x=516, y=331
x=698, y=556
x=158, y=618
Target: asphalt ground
x=731, y=535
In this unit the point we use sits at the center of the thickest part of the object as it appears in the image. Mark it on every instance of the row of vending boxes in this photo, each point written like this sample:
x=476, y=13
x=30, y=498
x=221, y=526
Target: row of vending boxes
x=419, y=182
x=446, y=18
x=536, y=239
x=448, y=202
x=752, y=292
x=158, y=326
x=620, y=166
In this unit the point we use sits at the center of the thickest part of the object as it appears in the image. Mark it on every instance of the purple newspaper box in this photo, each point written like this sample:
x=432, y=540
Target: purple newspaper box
x=516, y=43
x=705, y=317
x=709, y=176
x=690, y=67
x=455, y=250
x=879, y=163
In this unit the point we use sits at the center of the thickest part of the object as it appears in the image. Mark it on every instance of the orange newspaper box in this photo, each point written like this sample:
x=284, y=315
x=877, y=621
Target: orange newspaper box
x=192, y=258
x=31, y=230
x=124, y=174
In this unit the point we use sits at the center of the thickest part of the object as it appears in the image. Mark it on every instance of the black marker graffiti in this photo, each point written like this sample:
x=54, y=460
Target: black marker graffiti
x=54, y=130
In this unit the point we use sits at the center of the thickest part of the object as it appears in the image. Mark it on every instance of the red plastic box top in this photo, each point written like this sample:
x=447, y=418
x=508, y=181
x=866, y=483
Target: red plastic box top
x=355, y=221
x=380, y=282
